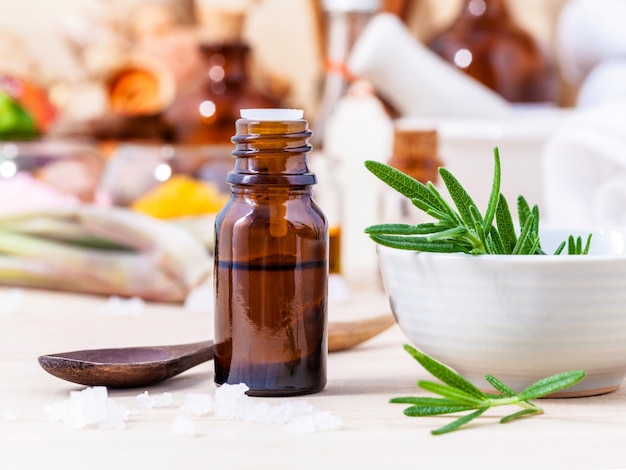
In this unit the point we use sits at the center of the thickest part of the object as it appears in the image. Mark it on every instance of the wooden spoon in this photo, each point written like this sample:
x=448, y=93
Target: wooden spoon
x=148, y=365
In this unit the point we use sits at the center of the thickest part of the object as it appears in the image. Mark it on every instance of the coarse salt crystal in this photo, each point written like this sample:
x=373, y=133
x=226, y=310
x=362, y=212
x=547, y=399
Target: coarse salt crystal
x=232, y=402
x=88, y=407
x=163, y=400
x=183, y=426
x=198, y=404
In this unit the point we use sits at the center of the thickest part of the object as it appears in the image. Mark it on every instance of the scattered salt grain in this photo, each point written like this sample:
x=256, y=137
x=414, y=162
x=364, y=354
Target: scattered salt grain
x=91, y=406
x=11, y=414
x=232, y=402
x=163, y=400
x=200, y=300
x=133, y=306
x=198, y=404
x=183, y=426
x=11, y=301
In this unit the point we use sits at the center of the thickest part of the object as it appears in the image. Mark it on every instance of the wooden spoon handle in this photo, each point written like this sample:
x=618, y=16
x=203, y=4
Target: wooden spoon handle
x=347, y=334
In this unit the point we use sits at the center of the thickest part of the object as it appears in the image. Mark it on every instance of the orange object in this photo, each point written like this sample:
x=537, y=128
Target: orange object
x=134, y=91
x=33, y=98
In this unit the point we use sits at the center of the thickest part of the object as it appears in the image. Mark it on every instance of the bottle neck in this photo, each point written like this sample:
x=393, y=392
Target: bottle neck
x=271, y=153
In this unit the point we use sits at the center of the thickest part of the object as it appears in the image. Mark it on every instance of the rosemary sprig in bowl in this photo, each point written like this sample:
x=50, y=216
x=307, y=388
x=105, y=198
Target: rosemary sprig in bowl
x=464, y=229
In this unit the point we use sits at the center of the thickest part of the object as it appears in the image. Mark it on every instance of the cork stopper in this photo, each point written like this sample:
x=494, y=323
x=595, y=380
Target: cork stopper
x=415, y=153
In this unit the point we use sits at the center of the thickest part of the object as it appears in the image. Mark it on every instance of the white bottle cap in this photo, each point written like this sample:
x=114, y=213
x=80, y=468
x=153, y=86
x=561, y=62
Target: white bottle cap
x=272, y=114
x=366, y=6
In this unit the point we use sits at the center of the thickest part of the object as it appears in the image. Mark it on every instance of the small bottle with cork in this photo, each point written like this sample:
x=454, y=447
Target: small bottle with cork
x=271, y=262
x=415, y=152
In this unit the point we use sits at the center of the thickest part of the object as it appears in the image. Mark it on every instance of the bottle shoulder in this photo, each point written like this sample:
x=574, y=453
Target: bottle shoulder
x=245, y=211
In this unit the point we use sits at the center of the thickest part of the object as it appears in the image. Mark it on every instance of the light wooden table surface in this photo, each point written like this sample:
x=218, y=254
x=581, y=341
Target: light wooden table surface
x=573, y=433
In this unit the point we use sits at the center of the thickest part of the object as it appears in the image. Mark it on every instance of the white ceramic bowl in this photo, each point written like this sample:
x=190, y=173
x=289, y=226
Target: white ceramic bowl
x=517, y=317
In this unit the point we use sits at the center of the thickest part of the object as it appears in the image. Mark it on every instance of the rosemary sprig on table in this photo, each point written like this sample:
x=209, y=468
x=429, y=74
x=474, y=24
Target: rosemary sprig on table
x=457, y=394
x=465, y=229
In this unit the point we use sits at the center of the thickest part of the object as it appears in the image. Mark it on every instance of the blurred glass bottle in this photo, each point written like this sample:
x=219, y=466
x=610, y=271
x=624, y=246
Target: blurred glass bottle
x=486, y=43
x=344, y=20
x=204, y=113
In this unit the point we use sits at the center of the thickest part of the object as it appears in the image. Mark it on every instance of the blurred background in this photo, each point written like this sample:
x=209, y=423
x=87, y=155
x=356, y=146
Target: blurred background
x=46, y=41
x=131, y=104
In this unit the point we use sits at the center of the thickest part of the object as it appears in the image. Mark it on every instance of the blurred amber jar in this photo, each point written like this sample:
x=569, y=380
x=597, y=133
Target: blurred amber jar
x=205, y=113
x=485, y=42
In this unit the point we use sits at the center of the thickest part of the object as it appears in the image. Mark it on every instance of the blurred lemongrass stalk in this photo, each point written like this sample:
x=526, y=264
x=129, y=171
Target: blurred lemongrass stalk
x=107, y=251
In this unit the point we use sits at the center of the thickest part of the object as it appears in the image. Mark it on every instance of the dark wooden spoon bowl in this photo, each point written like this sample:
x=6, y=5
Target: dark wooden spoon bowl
x=126, y=367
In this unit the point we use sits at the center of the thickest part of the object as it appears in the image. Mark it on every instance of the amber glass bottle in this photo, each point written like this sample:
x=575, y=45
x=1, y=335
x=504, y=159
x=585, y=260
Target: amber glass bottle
x=485, y=42
x=271, y=262
x=415, y=153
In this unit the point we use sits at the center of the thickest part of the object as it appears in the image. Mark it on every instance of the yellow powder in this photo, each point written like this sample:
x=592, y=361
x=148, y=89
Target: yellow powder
x=180, y=196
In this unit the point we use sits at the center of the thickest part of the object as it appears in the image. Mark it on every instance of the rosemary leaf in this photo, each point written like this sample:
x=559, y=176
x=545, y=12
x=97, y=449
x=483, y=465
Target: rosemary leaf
x=551, y=384
x=521, y=414
x=501, y=387
x=459, y=196
x=417, y=243
x=492, y=205
x=453, y=426
x=450, y=214
x=523, y=210
x=496, y=242
x=405, y=229
x=522, y=241
x=444, y=373
x=587, y=245
x=403, y=183
x=504, y=221
x=559, y=249
x=425, y=401
x=436, y=410
x=452, y=393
